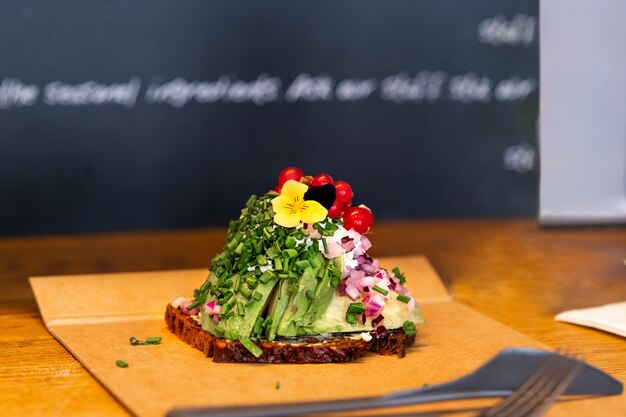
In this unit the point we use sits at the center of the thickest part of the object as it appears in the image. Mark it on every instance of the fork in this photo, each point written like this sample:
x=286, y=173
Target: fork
x=542, y=389
x=499, y=377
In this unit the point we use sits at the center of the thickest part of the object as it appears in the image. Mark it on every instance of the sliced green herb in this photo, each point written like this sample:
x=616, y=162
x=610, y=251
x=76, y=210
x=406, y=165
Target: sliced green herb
x=404, y=298
x=325, y=245
x=351, y=318
x=252, y=348
x=121, y=363
x=290, y=253
x=399, y=275
x=194, y=305
x=380, y=290
x=409, y=328
x=260, y=259
x=356, y=308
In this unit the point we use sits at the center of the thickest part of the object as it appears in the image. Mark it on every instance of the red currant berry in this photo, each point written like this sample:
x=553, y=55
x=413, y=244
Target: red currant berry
x=343, y=192
x=334, y=212
x=321, y=179
x=289, y=173
x=360, y=219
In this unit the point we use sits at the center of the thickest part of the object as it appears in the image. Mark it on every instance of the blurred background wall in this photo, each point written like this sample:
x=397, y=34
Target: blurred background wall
x=155, y=114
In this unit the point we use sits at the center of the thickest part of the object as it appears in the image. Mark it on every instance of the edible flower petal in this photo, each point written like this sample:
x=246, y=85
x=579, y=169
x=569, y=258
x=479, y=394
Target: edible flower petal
x=290, y=207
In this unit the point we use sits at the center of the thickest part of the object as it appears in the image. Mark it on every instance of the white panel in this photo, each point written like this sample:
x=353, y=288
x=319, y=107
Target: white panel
x=583, y=111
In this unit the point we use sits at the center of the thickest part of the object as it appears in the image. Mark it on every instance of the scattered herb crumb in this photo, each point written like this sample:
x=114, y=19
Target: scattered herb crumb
x=121, y=363
x=149, y=341
x=277, y=384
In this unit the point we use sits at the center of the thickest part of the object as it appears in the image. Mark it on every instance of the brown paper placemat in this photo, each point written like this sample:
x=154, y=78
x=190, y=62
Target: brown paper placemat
x=94, y=315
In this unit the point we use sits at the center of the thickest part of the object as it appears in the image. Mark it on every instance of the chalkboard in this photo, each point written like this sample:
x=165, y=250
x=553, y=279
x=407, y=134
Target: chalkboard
x=119, y=115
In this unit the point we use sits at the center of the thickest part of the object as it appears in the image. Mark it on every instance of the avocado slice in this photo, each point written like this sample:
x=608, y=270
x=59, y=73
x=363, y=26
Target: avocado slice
x=298, y=303
x=277, y=308
x=247, y=310
x=323, y=294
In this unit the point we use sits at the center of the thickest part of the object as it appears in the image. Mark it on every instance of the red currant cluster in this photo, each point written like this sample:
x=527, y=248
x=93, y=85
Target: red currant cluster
x=359, y=218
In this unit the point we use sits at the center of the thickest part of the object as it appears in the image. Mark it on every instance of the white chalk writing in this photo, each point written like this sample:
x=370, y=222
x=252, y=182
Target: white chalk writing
x=92, y=93
x=498, y=31
x=13, y=93
x=519, y=158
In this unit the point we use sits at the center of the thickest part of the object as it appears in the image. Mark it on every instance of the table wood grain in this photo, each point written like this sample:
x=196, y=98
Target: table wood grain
x=511, y=270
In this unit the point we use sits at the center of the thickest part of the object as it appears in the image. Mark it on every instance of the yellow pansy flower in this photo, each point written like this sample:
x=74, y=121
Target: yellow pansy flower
x=290, y=207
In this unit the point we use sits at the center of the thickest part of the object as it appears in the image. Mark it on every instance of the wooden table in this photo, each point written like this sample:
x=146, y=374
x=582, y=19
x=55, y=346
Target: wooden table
x=508, y=269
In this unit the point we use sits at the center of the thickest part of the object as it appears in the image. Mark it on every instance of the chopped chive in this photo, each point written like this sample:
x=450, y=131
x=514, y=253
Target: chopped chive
x=225, y=308
x=205, y=286
x=245, y=290
x=356, y=308
x=239, y=248
x=240, y=308
x=325, y=245
x=278, y=264
x=351, y=318
x=153, y=340
x=121, y=363
x=302, y=264
x=237, y=282
x=266, y=276
x=257, y=296
x=380, y=290
x=409, y=328
x=134, y=341
x=251, y=281
x=193, y=305
x=290, y=253
x=252, y=348
x=258, y=326
x=290, y=242
x=261, y=260
x=310, y=294
x=403, y=298
x=399, y=275
x=234, y=334
x=334, y=281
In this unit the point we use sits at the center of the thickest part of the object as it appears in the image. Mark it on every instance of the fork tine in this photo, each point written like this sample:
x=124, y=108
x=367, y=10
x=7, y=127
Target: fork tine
x=548, y=381
x=521, y=393
x=534, y=397
x=571, y=369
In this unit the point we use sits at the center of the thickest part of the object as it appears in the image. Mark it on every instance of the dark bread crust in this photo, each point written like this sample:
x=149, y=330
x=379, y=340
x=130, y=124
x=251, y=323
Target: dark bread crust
x=334, y=349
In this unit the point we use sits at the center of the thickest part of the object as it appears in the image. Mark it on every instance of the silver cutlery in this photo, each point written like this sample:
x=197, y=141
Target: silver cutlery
x=499, y=377
x=539, y=391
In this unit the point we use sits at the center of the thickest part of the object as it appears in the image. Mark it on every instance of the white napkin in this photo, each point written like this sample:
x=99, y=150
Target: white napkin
x=610, y=318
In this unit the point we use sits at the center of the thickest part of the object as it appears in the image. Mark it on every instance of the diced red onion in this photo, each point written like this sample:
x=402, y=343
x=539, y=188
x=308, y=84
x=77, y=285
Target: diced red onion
x=365, y=244
x=341, y=288
x=348, y=245
x=380, y=331
x=352, y=292
x=178, y=301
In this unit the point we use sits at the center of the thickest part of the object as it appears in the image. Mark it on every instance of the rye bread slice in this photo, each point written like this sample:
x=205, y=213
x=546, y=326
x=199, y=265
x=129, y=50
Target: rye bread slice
x=304, y=350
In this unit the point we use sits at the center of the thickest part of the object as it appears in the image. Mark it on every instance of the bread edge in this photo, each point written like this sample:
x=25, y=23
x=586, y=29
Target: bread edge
x=332, y=350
